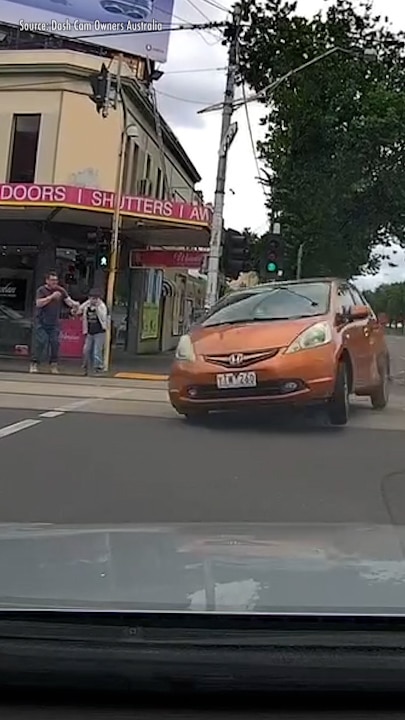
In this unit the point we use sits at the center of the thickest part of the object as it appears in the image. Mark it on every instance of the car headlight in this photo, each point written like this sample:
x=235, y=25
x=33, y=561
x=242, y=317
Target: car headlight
x=185, y=351
x=312, y=337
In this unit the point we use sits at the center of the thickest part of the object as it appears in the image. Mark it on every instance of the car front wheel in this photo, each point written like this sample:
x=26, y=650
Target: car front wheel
x=339, y=407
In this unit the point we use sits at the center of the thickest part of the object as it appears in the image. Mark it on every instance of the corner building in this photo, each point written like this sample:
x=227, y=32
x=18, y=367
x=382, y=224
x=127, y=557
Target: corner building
x=58, y=172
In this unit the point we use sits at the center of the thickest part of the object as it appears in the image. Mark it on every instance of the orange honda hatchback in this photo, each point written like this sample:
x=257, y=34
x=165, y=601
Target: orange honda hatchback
x=298, y=343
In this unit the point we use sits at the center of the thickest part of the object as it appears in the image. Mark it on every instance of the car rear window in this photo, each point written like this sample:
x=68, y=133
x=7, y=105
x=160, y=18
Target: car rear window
x=278, y=302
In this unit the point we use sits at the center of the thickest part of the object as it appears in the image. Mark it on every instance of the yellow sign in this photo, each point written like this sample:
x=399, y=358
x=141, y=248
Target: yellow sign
x=150, y=321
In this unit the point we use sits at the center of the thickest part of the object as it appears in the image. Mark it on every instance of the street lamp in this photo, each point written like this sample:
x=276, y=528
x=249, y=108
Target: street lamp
x=368, y=53
x=129, y=131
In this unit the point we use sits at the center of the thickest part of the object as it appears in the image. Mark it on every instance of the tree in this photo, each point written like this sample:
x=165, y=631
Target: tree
x=390, y=300
x=334, y=148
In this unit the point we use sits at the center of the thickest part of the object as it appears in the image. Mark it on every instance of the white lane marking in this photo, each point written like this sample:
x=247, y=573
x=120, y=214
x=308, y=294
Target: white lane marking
x=51, y=414
x=75, y=405
x=16, y=427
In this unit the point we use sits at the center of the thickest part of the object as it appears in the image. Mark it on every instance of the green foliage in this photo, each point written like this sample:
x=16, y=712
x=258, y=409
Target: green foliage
x=389, y=299
x=334, y=149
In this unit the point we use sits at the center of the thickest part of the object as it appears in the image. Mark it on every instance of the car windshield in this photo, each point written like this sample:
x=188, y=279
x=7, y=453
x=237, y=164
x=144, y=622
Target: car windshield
x=280, y=302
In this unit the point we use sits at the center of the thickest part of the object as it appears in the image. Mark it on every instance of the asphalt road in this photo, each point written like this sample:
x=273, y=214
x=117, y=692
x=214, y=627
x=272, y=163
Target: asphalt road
x=110, y=467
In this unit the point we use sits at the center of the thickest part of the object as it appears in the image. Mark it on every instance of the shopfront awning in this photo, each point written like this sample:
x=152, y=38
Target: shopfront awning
x=157, y=222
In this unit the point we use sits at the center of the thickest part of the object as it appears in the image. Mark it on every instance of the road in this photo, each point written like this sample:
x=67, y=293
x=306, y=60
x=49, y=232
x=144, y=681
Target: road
x=75, y=451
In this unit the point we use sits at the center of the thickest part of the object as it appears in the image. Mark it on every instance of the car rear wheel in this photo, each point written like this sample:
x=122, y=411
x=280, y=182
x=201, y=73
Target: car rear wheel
x=380, y=396
x=339, y=407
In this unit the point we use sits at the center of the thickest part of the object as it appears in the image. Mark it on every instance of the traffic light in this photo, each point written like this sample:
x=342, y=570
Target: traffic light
x=236, y=254
x=272, y=256
x=102, y=256
x=99, y=84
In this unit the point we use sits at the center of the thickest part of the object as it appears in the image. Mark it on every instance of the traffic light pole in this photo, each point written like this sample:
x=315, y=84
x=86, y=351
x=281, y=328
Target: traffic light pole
x=219, y=201
x=115, y=228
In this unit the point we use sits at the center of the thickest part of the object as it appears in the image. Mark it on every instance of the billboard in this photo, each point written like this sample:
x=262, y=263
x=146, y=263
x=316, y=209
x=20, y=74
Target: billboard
x=136, y=27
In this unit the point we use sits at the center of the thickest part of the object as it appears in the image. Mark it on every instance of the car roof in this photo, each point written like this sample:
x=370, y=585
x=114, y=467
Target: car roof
x=306, y=281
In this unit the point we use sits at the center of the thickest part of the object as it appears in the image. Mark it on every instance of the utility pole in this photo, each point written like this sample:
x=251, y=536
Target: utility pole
x=116, y=223
x=300, y=254
x=226, y=139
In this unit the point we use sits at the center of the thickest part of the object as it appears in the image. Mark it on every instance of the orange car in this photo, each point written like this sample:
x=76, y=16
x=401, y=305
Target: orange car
x=307, y=342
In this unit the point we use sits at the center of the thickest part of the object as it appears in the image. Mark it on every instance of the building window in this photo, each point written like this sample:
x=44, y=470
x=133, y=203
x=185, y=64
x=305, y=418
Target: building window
x=158, y=191
x=134, y=169
x=148, y=167
x=23, y=158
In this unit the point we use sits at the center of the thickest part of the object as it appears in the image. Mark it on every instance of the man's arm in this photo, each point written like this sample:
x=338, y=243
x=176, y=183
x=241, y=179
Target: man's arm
x=82, y=308
x=72, y=304
x=42, y=299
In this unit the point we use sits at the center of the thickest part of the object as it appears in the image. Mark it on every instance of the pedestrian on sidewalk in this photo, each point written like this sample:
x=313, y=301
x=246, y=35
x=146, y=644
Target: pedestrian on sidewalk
x=94, y=312
x=48, y=304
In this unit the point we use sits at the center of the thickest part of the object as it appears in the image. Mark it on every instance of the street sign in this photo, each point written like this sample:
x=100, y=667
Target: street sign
x=188, y=259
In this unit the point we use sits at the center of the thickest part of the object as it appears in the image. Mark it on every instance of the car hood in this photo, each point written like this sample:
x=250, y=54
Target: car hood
x=249, y=336
x=200, y=568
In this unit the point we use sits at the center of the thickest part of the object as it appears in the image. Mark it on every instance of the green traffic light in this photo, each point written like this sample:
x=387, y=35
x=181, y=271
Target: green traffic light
x=271, y=267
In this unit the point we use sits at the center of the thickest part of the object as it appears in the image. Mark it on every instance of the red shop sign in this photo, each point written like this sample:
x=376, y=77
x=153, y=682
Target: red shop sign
x=189, y=259
x=71, y=338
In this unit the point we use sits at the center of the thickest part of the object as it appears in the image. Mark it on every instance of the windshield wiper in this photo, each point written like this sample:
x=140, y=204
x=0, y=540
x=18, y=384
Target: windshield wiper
x=256, y=319
x=300, y=295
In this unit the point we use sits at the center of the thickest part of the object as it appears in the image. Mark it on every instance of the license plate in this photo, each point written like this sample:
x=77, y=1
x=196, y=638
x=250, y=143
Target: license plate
x=236, y=380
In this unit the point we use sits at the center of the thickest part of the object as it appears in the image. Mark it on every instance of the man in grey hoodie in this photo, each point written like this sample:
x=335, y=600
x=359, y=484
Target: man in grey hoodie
x=94, y=313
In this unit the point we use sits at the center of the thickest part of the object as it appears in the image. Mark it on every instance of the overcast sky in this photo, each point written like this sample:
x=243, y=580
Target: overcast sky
x=194, y=78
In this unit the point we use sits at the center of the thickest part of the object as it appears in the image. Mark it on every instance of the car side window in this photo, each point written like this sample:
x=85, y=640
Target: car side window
x=361, y=300
x=358, y=300
x=345, y=300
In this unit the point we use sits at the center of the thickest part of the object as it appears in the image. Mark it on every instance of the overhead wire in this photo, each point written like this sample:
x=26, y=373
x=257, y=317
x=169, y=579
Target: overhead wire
x=199, y=32
x=252, y=141
x=205, y=16
x=216, y=5
x=180, y=99
x=169, y=28
x=195, y=70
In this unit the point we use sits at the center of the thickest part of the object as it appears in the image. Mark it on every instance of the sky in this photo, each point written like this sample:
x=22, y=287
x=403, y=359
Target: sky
x=194, y=78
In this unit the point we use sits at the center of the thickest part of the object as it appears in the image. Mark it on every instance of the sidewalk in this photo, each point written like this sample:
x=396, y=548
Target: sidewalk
x=137, y=367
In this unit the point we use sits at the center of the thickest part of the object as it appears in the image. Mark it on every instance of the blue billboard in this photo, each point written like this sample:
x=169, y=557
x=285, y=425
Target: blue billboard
x=136, y=27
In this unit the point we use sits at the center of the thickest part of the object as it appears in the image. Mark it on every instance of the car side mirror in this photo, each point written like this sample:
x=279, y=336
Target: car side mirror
x=359, y=312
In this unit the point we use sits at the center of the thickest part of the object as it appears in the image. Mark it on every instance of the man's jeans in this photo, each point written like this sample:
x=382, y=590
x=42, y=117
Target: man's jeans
x=46, y=343
x=93, y=351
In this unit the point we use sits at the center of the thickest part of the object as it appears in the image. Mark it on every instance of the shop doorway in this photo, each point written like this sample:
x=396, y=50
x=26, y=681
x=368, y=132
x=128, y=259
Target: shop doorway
x=17, y=270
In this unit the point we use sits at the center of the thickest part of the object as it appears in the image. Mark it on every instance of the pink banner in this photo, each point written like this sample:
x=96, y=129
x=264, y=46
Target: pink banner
x=99, y=200
x=71, y=338
x=191, y=259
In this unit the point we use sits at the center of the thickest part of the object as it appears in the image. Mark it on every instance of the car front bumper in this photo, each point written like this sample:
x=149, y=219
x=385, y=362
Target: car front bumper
x=303, y=378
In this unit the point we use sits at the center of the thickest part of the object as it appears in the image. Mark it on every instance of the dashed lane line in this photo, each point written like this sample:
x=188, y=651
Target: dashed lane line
x=30, y=422
x=17, y=427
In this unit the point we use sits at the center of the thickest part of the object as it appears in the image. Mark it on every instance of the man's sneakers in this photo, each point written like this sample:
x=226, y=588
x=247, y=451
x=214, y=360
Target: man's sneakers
x=54, y=368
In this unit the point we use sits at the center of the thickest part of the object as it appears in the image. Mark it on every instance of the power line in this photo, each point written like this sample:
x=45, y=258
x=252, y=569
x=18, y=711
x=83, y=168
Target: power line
x=216, y=5
x=252, y=141
x=178, y=17
x=197, y=9
x=191, y=26
x=195, y=70
x=181, y=99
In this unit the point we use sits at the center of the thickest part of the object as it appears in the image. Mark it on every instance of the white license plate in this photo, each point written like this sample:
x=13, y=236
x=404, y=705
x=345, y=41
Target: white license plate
x=236, y=380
